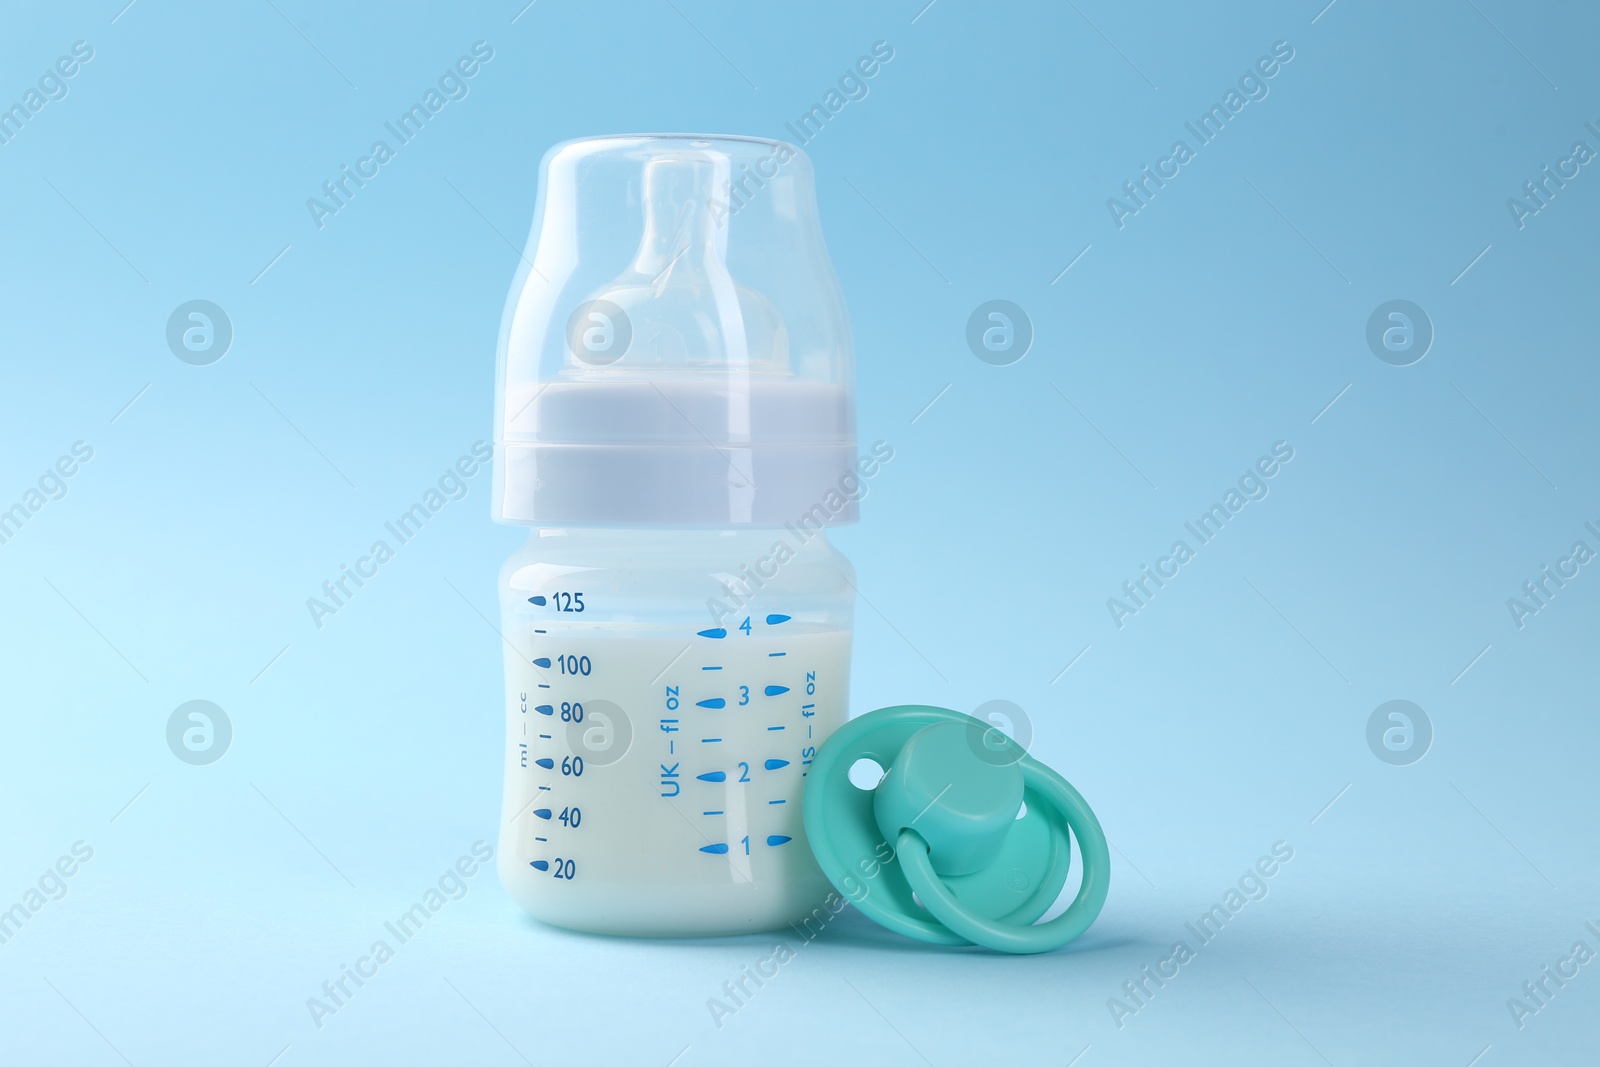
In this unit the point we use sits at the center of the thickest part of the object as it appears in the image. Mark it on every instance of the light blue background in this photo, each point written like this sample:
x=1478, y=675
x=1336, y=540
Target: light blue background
x=1223, y=317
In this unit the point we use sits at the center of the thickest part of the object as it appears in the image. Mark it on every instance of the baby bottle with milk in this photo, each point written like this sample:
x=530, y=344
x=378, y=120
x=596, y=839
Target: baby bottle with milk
x=676, y=427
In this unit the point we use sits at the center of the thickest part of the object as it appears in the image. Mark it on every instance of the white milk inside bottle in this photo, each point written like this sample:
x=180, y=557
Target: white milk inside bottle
x=655, y=765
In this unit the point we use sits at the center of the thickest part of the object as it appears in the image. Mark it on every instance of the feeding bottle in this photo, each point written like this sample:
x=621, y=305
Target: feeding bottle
x=676, y=426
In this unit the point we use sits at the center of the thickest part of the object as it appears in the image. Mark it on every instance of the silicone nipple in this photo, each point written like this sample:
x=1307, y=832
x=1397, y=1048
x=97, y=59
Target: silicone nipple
x=681, y=306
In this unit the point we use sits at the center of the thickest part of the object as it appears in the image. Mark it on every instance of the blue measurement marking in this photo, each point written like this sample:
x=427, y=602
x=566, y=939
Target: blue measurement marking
x=542, y=839
x=545, y=709
x=714, y=632
x=540, y=865
x=780, y=801
x=544, y=685
x=547, y=763
x=776, y=690
x=714, y=702
x=774, y=764
x=713, y=776
x=543, y=813
x=544, y=788
x=545, y=737
x=773, y=620
x=778, y=839
x=536, y=601
x=711, y=813
x=807, y=707
x=715, y=850
x=710, y=740
x=711, y=668
x=542, y=661
x=774, y=655
x=541, y=631
x=774, y=728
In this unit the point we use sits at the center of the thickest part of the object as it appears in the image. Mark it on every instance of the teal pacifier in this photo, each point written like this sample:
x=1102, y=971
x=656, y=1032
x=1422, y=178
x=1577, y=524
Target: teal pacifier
x=937, y=851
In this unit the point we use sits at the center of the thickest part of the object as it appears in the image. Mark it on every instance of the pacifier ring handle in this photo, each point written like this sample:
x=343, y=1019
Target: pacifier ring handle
x=1068, y=805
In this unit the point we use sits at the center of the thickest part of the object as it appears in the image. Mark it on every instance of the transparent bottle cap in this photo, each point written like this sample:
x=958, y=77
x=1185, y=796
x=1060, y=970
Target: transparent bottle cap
x=675, y=349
